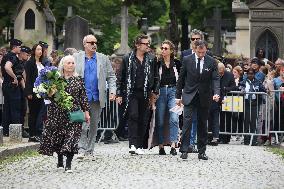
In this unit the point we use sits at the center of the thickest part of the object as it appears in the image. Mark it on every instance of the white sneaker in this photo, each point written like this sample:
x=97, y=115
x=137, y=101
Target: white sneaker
x=267, y=143
x=273, y=140
x=139, y=151
x=132, y=149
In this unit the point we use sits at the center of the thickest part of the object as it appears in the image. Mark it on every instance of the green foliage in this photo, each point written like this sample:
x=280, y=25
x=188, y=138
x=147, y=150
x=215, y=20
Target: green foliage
x=277, y=151
x=17, y=157
x=100, y=12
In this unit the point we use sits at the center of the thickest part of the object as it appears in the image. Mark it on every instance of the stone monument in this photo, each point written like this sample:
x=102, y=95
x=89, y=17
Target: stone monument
x=76, y=28
x=15, y=132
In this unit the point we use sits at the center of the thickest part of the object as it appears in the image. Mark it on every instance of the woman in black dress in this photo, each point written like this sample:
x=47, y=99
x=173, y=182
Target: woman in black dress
x=60, y=135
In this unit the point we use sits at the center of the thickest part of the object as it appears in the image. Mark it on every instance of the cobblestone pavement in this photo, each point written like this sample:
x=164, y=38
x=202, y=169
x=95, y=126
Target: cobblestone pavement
x=229, y=166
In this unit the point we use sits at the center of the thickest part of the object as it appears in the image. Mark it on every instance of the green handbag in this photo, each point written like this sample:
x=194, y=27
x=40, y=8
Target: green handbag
x=77, y=116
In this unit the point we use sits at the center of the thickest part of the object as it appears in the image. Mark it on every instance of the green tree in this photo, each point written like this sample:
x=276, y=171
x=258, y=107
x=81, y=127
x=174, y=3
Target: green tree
x=7, y=9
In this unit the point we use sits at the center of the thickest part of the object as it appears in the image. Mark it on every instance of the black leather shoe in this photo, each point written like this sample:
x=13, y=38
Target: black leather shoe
x=111, y=141
x=202, y=156
x=192, y=149
x=122, y=139
x=173, y=151
x=184, y=155
x=162, y=151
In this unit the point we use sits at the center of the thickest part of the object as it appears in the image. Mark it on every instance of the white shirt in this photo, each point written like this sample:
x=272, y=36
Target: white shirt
x=39, y=67
x=201, y=62
x=248, y=83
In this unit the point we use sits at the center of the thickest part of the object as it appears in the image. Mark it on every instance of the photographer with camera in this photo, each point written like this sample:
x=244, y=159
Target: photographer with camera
x=12, y=92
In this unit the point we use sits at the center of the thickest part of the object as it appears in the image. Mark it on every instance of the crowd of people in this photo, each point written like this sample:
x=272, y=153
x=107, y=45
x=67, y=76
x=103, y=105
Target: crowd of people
x=146, y=86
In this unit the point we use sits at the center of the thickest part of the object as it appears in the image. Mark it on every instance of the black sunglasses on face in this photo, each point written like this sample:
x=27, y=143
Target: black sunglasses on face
x=193, y=39
x=164, y=48
x=92, y=42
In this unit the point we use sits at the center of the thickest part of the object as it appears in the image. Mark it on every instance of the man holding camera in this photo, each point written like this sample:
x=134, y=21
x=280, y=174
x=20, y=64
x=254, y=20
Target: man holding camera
x=12, y=92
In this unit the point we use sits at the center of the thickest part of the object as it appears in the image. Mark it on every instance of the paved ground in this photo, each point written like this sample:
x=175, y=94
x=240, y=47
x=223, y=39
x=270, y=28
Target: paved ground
x=229, y=166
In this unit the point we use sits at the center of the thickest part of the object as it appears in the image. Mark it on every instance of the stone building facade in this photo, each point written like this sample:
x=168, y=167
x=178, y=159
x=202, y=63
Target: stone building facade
x=260, y=24
x=34, y=22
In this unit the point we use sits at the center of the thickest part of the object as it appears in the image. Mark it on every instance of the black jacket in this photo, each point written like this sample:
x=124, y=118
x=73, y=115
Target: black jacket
x=121, y=82
x=227, y=83
x=190, y=82
x=31, y=75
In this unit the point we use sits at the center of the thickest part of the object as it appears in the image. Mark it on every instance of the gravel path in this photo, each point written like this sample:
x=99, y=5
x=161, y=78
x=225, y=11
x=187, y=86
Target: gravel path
x=229, y=166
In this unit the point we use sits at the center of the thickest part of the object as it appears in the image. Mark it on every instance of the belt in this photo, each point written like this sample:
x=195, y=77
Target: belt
x=168, y=86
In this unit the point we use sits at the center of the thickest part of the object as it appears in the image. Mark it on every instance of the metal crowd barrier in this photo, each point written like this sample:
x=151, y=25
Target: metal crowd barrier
x=277, y=114
x=240, y=116
x=109, y=118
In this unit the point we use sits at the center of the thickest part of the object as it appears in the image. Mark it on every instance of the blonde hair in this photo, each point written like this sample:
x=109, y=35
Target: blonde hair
x=63, y=61
x=238, y=69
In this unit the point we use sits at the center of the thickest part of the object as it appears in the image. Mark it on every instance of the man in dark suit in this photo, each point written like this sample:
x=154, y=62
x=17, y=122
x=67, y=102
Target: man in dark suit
x=197, y=79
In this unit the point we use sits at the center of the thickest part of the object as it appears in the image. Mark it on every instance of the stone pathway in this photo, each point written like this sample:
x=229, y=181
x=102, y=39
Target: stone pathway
x=229, y=166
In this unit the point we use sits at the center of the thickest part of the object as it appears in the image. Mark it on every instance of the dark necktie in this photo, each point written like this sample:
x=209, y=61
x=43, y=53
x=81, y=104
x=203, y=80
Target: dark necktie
x=198, y=65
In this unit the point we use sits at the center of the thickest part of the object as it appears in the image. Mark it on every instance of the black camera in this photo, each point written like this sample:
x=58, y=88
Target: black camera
x=19, y=74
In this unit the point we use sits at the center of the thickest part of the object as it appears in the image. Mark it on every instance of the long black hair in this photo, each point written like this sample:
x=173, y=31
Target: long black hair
x=33, y=52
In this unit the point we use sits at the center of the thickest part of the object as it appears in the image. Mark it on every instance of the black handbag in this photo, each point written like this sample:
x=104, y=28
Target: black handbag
x=77, y=116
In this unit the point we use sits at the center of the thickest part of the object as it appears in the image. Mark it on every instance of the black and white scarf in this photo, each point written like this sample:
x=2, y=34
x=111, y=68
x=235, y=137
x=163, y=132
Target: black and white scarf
x=147, y=67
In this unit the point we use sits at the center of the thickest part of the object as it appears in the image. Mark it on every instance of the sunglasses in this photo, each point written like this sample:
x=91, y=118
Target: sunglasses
x=164, y=48
x=193, y=39
x=92, y=42
x=147, y=44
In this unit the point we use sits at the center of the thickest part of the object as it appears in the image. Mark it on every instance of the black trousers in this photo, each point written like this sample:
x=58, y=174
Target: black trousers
x=213, y=120
x=12, y=109
x=225, y=126
x=35, y=116
x=250, y=121
x=202, y=117
x=138, y=116
x=121, y=129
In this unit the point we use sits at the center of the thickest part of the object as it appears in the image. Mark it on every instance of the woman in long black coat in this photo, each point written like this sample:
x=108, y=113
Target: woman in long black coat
x=32, y=69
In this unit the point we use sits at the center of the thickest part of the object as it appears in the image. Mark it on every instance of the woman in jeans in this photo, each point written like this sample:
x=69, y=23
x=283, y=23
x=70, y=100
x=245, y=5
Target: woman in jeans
x=168, y=72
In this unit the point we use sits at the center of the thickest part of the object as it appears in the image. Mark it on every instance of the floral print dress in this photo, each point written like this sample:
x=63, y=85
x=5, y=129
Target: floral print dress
x=60, y=135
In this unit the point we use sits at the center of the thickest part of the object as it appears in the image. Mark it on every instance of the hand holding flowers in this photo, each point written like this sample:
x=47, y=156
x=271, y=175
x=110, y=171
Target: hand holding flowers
x=49, y=84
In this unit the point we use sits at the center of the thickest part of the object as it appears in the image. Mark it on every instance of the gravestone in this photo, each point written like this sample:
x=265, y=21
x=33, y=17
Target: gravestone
x=15, y=132
x=217, y=23
x=76, y=28
x=124, y=20
x=1, y=136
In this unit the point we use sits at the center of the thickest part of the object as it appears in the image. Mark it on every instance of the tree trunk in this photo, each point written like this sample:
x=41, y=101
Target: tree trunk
x=184, y=32
x=174, y=34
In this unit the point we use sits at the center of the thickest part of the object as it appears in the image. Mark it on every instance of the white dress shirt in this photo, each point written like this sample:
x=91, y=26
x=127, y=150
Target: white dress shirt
x=201, y=62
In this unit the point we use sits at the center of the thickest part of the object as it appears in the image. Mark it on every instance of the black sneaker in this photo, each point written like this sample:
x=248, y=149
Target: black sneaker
x=34, y=139
x=60, y=166
x=173, y=151
x=162, y=151
x=25, y=134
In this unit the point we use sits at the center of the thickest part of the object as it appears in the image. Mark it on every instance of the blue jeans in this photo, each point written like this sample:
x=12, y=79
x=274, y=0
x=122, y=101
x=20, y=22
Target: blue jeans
x=165, y=102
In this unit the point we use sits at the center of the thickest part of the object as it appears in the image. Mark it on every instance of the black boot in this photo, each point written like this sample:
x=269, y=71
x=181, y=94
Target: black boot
x=60, y=161
x=68, y=162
